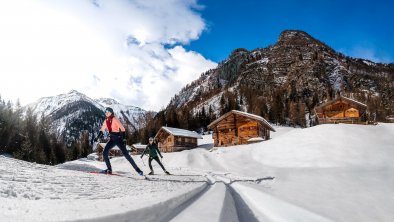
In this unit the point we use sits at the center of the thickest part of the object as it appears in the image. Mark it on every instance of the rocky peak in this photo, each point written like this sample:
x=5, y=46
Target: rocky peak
x=299, y=39
x=108, y=101
x=237, y=52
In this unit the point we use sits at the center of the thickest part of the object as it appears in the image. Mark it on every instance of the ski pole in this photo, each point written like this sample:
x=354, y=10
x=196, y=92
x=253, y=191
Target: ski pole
x=143, y=162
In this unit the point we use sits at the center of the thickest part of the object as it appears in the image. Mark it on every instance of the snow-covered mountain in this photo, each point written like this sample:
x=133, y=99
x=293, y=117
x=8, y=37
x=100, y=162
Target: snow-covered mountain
x=332, y=172
x=132, y=116
x=295, y=74
x=70, y=114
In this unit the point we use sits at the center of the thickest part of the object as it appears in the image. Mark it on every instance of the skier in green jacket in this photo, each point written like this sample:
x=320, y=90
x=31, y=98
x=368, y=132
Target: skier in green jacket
x=153, y=152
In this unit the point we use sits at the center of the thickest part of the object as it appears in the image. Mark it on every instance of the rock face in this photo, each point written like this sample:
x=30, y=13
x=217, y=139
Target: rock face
x=284, y=82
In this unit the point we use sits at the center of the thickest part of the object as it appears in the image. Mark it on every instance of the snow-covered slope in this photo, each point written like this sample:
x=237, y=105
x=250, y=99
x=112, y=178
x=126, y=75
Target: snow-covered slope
x=324, y=173
x=131, y=115
x=70, y=114
x=47, y=105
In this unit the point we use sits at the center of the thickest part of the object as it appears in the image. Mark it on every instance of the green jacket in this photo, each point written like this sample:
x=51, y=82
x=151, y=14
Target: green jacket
x=152, y=150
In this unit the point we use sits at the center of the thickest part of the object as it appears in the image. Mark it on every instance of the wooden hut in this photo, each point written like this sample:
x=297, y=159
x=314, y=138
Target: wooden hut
x=390, y=119
x=341, y=110
x=173, y=139
x=236, y=127
x=112, y=153
x=138, y=148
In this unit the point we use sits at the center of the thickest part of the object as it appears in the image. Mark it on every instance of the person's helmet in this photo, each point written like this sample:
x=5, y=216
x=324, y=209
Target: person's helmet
x=109, y=109
x=150, y=138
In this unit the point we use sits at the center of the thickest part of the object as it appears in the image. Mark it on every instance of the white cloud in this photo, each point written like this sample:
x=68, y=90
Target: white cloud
x=100, y=48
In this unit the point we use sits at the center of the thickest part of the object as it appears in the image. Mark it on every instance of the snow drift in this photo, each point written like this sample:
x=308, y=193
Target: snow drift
x=324, y=173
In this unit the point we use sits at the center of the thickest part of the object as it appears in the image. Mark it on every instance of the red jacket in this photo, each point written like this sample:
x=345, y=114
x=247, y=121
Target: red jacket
x=116, y=126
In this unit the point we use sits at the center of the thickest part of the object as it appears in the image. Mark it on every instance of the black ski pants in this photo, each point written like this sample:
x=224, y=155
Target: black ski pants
x=158, y=161
x=118, y=142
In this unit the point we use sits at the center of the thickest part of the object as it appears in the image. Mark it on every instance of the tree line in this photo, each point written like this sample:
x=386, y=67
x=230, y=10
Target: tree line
x=27, y=137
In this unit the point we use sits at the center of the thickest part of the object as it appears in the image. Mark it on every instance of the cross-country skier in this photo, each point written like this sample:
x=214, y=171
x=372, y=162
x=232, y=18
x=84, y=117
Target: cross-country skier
x=117, y=135
x=153, y=152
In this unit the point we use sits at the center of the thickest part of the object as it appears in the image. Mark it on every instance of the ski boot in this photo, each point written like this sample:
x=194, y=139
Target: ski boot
x=107, y=171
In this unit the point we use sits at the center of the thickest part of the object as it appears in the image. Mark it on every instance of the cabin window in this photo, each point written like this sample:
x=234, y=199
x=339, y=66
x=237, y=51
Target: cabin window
x=169, y=139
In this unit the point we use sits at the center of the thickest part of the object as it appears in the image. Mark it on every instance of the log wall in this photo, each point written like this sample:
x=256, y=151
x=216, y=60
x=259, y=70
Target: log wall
x=236, y=130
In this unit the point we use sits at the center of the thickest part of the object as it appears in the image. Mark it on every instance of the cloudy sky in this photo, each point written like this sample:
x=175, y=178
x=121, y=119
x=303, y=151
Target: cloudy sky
x=131, y=51
x=142, y=52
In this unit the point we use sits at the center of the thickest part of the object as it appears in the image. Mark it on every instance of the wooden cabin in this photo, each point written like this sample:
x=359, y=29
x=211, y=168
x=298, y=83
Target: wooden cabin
x=173, y=139
x=390, y=119
x=112, y=153
x=341, y=110
x=236, y=127
x=138, y=148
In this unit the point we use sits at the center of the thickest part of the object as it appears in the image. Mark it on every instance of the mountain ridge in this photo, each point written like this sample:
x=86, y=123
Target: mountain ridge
x=71, y=113
x=285, y=81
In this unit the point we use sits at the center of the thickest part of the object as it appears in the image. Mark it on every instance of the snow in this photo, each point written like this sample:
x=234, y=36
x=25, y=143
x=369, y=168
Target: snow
x=256, y=139
x=181, y=132
x=369, y=63
x=249, y=115
x=324, y=173
x=213, y=102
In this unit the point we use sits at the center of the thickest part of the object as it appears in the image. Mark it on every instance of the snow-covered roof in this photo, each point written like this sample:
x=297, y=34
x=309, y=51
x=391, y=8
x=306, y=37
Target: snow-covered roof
x=181, y=132
x=342, y=98
x=139, y=146
x=248, y=115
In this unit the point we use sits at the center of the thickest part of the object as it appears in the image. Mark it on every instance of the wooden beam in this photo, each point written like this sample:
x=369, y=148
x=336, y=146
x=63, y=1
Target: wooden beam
x=235, y=123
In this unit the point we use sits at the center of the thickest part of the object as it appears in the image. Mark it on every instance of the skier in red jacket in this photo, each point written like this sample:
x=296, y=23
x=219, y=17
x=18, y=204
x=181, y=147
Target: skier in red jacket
x=117, y=135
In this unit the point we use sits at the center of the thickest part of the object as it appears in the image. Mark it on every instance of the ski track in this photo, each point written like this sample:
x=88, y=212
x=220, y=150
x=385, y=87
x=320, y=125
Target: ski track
x=230, y=193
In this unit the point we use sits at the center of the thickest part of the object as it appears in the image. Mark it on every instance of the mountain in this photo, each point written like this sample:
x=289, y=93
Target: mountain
x=72, y=113
x=285, y=81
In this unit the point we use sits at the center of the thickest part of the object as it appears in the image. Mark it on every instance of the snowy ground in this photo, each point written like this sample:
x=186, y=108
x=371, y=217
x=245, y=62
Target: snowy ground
x=324, y=173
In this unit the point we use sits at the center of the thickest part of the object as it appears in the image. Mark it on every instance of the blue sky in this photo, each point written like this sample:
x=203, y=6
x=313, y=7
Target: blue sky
x=362, y=29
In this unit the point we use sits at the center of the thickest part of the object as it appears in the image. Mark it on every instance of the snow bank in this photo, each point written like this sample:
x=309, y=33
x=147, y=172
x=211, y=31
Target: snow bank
x=328, y=172
x=268, y=208
x=329, y=146
x=33, y=192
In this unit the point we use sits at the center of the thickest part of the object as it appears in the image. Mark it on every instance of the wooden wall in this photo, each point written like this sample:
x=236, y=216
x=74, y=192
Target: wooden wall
x=171, y=143
x=339, y=112
x=166, y=143
x=237, y=129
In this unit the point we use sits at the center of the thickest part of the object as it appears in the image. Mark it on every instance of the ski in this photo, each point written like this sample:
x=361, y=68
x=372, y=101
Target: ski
x=110, y=174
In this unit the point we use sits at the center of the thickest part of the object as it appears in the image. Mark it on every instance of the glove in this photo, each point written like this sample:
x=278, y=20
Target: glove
x=98, y=138
x=161, y=156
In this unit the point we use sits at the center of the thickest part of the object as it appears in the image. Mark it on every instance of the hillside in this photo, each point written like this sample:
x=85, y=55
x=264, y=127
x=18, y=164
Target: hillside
x=284, y=82
x=70, y=114
x=323, y=173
